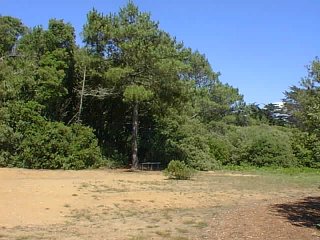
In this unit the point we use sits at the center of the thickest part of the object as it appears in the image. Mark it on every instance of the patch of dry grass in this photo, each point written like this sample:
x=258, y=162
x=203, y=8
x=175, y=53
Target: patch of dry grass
x=143, y=205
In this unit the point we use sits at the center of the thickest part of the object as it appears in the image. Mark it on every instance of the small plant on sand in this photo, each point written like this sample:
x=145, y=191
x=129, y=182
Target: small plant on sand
x=178, y=170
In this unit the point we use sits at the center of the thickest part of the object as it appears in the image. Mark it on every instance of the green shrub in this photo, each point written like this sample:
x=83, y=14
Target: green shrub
x=178, y=170
x=195, y=151
x=8, y=142
x=262, y=146
x=55, y=146
x=306, y=148
x=35, y=142
x=189, y=140
x=220, y=148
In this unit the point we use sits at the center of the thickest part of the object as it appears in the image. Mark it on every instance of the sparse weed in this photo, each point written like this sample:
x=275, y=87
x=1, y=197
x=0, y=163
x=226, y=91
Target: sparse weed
x=165, y=233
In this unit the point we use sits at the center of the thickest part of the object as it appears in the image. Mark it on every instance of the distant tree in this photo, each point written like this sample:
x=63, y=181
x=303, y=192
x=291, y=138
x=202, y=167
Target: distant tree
x=11, y=29
x=276, y=114
x=303, y=102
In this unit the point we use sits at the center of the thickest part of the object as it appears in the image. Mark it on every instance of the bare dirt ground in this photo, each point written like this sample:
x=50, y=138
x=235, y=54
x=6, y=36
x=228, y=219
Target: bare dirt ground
x=105, y=204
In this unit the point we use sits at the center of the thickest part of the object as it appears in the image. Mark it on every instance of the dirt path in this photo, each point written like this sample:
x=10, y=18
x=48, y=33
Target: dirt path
x=104, y=204
x=259, y=221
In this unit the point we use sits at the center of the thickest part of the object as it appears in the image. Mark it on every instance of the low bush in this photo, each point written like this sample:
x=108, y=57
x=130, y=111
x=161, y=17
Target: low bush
x=178, y=170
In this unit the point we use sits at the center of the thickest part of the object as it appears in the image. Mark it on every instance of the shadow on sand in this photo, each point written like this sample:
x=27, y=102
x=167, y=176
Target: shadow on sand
x=302, y=213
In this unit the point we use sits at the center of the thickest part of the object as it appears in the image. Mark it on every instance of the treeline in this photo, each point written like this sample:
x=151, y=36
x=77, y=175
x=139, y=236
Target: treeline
x=133, y=93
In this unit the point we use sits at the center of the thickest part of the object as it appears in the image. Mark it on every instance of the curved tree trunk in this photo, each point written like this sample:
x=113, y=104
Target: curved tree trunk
x=135, y=125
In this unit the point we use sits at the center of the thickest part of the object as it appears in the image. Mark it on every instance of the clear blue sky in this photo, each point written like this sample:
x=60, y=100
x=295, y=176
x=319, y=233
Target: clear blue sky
x=259, y=46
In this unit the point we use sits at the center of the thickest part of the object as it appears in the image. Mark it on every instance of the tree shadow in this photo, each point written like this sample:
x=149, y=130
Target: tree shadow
x=303, y=213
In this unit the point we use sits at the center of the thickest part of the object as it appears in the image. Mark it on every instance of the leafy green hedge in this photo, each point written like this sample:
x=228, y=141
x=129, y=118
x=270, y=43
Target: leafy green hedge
x=306, y=148
x=210, y=146
x=262, y=146
x=189, y=141
x=30, y=141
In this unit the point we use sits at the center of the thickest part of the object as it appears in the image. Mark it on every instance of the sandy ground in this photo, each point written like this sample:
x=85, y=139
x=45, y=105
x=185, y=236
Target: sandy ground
x=105, y=204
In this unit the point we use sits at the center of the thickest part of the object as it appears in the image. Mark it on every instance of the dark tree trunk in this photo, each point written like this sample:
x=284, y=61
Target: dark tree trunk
x=135, y=125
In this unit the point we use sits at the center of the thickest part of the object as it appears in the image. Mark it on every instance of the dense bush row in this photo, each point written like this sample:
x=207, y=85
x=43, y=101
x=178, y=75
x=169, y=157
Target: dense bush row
x=28, y=140
x=259, y=146
x=210, y=146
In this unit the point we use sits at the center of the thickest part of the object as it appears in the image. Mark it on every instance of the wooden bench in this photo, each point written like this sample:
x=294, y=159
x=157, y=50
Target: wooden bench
x=150, y=166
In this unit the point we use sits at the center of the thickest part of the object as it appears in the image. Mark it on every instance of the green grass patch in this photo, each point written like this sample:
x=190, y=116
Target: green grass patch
x=272, y=169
